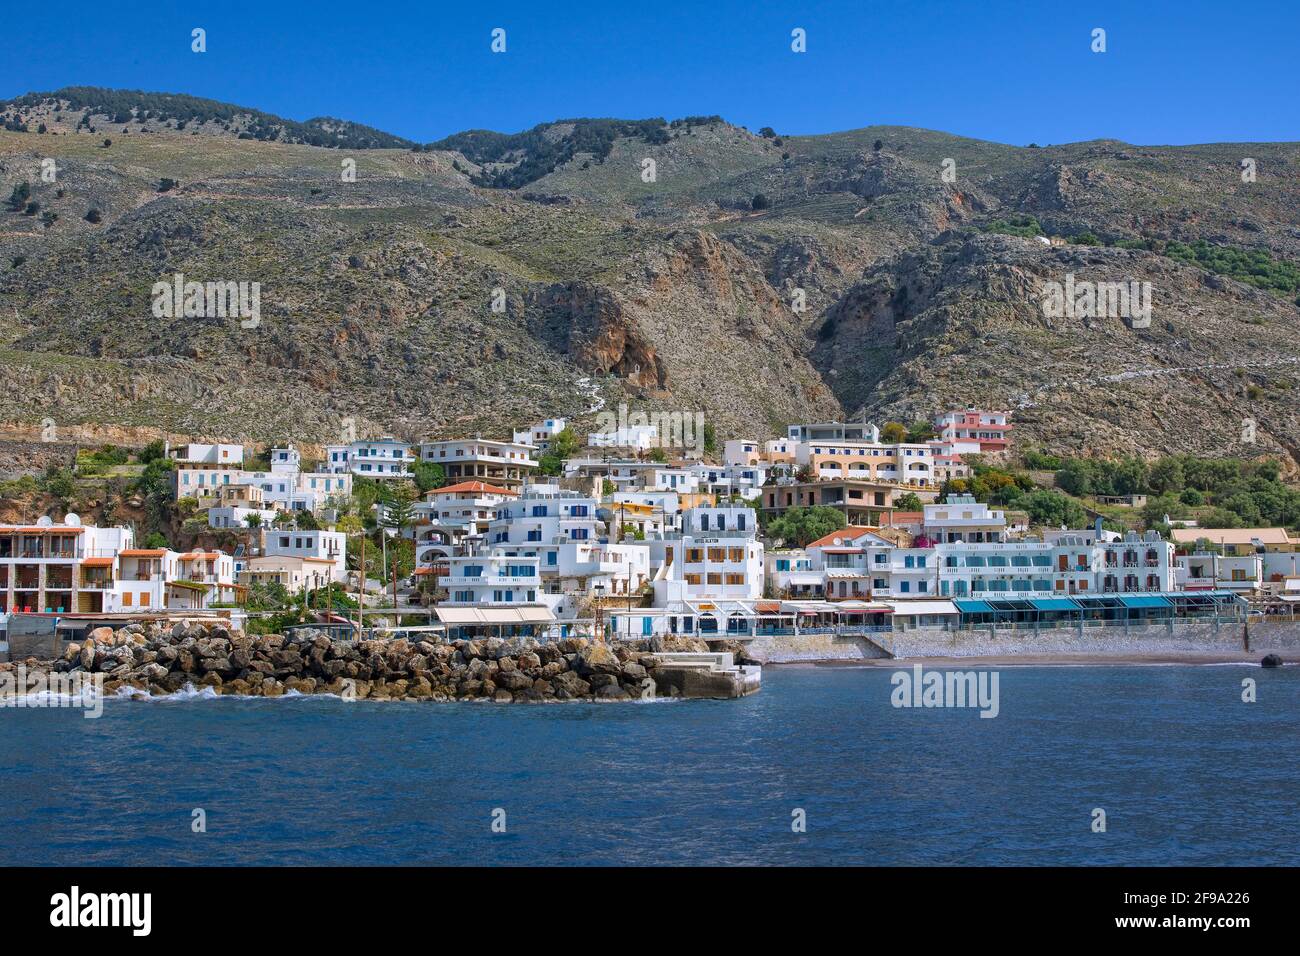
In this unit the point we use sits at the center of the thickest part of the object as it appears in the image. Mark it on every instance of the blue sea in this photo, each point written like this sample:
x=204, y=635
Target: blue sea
x=1186, y=772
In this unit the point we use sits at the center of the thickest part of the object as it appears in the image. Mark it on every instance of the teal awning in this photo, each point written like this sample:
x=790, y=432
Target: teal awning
x=1144, y=600
x=973, y=607
x=1055, y=604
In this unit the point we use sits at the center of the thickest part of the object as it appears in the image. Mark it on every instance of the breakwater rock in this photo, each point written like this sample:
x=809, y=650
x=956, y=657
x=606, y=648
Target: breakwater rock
x=159, y=659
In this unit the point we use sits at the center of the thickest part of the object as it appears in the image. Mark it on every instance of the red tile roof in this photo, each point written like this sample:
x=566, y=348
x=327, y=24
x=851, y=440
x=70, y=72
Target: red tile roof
x=843, y=534
x=479, y=487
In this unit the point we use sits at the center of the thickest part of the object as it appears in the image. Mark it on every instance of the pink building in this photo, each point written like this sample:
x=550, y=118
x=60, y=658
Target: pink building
x=973, y=431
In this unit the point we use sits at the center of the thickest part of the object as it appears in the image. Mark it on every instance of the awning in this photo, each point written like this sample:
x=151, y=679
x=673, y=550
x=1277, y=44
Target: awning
x=862, y=607
x=1055, y=604
x=1144, y=600
x=923, y=607
x=532, y=614
x=973, y=607
x=804, y=577
x=97, y=563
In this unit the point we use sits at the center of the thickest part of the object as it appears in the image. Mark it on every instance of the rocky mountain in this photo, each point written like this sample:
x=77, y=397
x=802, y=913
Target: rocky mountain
x=488, y=279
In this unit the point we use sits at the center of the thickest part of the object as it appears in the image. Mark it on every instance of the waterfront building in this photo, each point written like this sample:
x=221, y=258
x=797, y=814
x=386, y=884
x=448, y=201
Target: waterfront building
x=453, y=520
x=63, y=567
x=576, y=556
x=716, y=556
x=494, y=592
x=159, y=579
x=788, y=572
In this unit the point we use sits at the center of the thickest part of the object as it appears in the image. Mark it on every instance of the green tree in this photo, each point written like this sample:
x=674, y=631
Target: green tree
x=1166, y=475
x=59, y=482
x=920, y=432
x=156, y=486
x=397, y=502
x=1077, y=477
x=428, y=475
x=563, y=445
x=1046, y=507
x=799, y=526
x=710, y=438
x=18, y=198
x=893, y=433
x=909, y=502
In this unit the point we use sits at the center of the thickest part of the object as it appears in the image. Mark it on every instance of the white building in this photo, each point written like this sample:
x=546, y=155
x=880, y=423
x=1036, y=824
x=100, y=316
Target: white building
x=862, y=563
x=541, y=434
x=454, y=519
x=240, y=506
x=716, y=556
x=383, y=458
x=635, y=437
x=575, y=555
x=745, y=481
x=284, y=488
x=506, y=464
x=49, y=567
x=222, y=455
x=330, y=547
x=157, y=579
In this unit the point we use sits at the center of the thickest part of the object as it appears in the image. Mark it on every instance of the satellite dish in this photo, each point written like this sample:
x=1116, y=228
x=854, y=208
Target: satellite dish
x=44, y=521
x=72, y=520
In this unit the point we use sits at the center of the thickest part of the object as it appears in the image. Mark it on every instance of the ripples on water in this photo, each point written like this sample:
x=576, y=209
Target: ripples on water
x=1186, y=772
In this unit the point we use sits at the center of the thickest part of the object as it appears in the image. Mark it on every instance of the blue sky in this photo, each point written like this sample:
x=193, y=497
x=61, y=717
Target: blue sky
x=1015, y=72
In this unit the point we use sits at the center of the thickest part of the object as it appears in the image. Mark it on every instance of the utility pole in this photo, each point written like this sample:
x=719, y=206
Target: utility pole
x=361, y=588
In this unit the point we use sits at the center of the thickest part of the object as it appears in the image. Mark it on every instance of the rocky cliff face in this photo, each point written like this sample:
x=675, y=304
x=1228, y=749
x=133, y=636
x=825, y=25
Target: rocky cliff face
x=869, y=280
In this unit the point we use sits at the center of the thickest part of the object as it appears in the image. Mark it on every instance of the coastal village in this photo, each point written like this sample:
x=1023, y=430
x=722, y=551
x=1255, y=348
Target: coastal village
x=626, y=541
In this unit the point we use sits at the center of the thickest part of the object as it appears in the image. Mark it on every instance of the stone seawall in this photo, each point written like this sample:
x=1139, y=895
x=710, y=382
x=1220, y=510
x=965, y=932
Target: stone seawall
x=158, y=659
x=1189, y=638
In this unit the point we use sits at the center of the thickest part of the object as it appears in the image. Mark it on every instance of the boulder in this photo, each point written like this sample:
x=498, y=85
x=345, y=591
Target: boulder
x=1271, y=660
x=514, y=680
x=569, y=684
x=633, y=671
x=597, y=659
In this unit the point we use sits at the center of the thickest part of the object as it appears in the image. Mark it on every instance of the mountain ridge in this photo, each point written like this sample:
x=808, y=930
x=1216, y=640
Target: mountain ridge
x=674, y=290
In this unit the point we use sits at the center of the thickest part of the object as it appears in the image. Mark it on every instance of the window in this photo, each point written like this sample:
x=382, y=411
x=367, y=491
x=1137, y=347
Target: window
x=126, y=598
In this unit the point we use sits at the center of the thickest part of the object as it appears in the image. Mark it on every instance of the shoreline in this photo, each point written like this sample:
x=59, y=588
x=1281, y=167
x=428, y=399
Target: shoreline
x=1037, y=660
